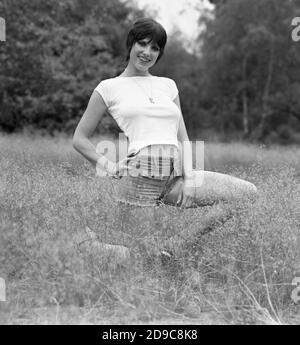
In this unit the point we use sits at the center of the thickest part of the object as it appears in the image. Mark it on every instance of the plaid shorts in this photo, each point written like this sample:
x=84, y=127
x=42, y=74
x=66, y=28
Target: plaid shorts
x=149, y=171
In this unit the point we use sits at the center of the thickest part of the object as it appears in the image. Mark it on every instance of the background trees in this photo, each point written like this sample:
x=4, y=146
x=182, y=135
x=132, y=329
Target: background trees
x=243, y=84
x=55, y=53
x=251, y=68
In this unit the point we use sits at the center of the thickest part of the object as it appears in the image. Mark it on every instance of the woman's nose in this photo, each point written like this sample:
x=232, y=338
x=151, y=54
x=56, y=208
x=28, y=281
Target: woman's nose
x=147, y=50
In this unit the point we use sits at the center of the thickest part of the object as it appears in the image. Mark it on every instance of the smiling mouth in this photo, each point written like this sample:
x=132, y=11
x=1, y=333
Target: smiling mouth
x=144, y=60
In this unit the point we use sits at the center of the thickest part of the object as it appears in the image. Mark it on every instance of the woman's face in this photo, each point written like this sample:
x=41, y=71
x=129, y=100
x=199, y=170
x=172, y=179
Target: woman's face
x=144, y=54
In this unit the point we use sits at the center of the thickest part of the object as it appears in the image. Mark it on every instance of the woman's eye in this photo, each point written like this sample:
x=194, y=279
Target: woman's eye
x=143, y=44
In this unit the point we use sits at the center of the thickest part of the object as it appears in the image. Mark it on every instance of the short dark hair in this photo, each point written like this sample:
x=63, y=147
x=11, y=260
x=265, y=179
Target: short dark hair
x=144, y=28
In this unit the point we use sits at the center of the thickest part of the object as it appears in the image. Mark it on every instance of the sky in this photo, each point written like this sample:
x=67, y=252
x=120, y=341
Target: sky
x=176, y=13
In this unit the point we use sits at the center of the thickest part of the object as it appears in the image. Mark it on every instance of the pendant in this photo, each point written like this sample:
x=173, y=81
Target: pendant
x=151, y=100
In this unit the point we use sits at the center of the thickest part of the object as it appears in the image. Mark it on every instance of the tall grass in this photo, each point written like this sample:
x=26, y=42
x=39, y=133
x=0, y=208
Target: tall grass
x=233, y=263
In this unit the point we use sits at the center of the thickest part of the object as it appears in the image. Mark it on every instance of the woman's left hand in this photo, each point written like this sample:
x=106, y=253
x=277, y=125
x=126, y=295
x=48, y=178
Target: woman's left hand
x=187, y=194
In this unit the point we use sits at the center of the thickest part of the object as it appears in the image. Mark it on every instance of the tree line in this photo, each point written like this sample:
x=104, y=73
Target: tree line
x=243, y=82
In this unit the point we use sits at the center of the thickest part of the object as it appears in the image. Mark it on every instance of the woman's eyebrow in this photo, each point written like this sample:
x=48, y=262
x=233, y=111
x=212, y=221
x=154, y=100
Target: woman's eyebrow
x=155, y=44
x=148, y=41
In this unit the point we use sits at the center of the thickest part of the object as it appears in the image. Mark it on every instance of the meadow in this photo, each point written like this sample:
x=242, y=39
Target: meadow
x=234, y=262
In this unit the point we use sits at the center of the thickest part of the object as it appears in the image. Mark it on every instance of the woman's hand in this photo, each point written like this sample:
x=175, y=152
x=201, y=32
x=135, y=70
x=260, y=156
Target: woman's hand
x=187, y=194
x=121, y=166
x=106, y=167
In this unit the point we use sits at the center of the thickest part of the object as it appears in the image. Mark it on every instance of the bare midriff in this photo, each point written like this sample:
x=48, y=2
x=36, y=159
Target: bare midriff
x=159, y=150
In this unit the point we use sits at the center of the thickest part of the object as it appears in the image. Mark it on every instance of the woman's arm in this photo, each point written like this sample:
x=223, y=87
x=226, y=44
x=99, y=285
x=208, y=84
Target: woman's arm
x=183, y=138
x=187, y=192
x=93, y=114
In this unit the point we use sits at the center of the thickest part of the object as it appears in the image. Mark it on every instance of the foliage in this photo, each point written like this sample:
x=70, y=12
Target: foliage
x=251, y=66
x=54, y=55
x=240, y=81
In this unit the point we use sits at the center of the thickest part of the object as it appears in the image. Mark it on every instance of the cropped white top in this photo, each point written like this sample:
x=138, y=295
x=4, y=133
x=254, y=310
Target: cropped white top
x=142, y=121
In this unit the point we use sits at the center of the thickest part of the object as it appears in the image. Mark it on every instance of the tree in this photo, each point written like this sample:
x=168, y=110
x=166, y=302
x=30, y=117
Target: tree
x=250, y=59
x=54, y=55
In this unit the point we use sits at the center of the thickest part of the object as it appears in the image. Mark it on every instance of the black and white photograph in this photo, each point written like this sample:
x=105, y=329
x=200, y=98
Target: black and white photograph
x=149, y=165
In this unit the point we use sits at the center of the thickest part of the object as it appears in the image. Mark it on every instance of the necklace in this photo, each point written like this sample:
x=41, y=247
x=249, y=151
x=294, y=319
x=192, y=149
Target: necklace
x=150, y=98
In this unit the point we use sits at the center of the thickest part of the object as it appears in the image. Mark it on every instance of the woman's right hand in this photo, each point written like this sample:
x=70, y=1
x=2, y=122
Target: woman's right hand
x=122, y=166
x=106, y=167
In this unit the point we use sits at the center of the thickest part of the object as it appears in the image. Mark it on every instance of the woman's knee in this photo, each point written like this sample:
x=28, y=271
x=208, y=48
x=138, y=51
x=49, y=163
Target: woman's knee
x=251, y=190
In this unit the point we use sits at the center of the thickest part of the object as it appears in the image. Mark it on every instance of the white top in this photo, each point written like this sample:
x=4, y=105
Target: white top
x=143, y=122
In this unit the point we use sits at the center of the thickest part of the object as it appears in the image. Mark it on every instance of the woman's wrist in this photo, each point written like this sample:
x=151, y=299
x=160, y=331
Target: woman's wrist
x=107, y=165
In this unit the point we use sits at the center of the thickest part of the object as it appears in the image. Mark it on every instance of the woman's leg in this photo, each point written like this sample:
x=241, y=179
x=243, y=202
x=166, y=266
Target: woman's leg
x=212, y=187
x=222, y=187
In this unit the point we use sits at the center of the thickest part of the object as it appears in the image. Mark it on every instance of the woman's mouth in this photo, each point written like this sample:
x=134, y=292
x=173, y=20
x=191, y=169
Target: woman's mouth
x=143, y=60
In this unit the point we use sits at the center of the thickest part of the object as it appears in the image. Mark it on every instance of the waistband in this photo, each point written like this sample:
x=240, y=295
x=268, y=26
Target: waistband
x=155, y=161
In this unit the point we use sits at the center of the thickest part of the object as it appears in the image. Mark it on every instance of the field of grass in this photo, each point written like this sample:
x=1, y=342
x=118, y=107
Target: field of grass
x=235, y=269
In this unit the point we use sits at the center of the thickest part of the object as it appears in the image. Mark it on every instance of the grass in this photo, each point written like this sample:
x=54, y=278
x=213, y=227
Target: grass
x=235, y=269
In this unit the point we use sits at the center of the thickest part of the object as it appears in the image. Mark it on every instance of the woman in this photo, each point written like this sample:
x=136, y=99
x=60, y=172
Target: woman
x=147, y=108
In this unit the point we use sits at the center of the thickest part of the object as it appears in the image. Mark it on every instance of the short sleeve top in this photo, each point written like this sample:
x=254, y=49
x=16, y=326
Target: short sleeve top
x=144, y=109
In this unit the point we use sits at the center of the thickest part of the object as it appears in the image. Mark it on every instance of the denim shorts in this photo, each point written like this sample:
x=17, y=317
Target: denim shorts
x=148, y=176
